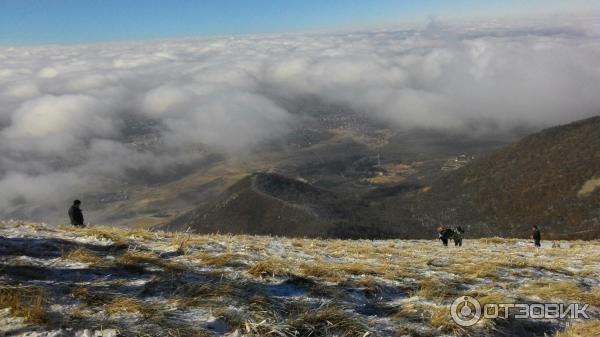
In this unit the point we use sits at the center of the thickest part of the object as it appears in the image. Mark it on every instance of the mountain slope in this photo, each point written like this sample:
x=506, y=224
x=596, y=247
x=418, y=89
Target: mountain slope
x=551, y=178
x=268, y=203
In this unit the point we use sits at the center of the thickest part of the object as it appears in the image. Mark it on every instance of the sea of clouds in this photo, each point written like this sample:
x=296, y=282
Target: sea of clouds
x=67, y=113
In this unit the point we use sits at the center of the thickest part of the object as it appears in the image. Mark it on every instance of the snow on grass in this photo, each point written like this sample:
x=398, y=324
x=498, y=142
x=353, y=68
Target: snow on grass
x=64, y=281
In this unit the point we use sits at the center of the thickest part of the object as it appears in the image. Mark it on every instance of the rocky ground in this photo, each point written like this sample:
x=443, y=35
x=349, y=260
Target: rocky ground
x=103, y=281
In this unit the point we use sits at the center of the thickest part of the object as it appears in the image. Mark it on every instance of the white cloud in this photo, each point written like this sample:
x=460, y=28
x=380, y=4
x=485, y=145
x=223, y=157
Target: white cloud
x=22, y=91
x=56, y=124
x=164, y=100
x=48, y=72
x=105, y=110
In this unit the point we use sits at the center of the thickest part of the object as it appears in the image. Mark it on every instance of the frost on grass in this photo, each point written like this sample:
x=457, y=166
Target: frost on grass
x=76, y=281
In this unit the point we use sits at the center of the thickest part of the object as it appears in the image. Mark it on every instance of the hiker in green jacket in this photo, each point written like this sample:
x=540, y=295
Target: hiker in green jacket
x=445, y=234
x=458, y=234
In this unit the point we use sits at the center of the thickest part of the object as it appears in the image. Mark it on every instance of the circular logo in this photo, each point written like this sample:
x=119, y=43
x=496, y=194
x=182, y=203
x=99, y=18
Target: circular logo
x=465, y=311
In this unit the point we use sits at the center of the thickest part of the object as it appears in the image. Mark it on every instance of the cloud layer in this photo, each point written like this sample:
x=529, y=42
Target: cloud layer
x=75, y=117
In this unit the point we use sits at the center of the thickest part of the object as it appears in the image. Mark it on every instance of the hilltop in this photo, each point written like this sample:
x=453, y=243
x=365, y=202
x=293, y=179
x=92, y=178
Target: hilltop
x=267, y=203
x=64, y=281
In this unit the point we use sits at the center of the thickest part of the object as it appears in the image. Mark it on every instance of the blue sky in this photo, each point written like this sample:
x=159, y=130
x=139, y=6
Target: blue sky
x=68, y=21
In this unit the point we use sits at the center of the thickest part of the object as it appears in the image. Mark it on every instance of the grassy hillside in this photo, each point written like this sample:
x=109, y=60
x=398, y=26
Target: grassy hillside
x=63, y=281
x=550, y=179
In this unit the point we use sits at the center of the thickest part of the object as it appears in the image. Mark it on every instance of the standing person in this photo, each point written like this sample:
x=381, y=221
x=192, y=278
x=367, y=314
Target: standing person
x=458, y=236
x=75, y=214
x=536, y=236
x=444, y=234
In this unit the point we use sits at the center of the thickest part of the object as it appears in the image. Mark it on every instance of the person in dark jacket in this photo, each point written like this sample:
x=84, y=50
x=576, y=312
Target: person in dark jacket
x=536, y=236
x=75, y=214
x=458, y=236
x=444, y=234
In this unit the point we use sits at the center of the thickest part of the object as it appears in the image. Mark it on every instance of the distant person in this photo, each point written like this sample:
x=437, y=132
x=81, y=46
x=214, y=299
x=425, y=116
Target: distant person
x=458, y=236
x=76, y=215
x=444, y=234
x=536, y=236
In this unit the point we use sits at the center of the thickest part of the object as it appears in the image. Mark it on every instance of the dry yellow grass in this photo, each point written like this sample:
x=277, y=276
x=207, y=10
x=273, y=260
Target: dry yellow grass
x=84, y=255
x=117, y=235
x=136, y=261
x=80, y=292
x=387, y=249
x=561, y=290
x=78, y=312
x=413, y=312
x=433, y=315
x=493, y=297
x=535, y=262
x=132, y=257
x=436, y=275
x=435, y=288
x=320, y=269
x=440, y=318
x=398, y=270
x=591, y=258
x=202, y=294
x=580, y=244
x=235, y=320
x=328, y=321
x=185, y=332
x=270, y=267
x=172, y=265
x=35, y=226
x=26, y=302
x=470, y=271
x=370, y=284
x=588, y=272
x=218, y=260
x=485, y=295
x=590, y=328
x=359, y=249
x=593, y=297
x=497, y=240
x=358, y=268
x=129, y=305
x=182, y=241
x=140, y=233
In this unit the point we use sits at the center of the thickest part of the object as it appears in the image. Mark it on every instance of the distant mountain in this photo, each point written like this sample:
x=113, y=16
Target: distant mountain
x=551, y=179
x=269, y=203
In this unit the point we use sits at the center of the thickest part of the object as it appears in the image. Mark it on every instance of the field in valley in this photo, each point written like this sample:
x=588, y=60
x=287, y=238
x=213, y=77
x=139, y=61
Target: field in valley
x=64, y=281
